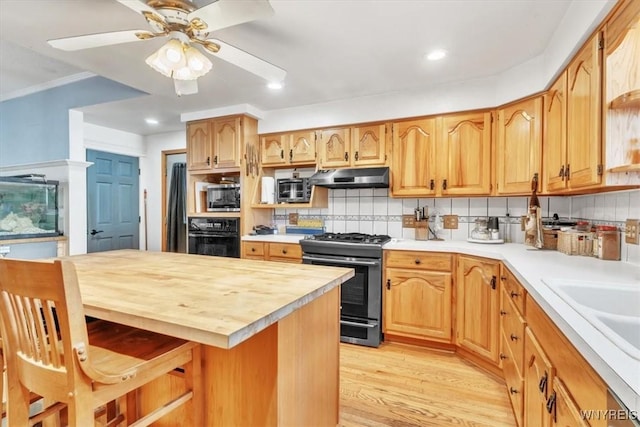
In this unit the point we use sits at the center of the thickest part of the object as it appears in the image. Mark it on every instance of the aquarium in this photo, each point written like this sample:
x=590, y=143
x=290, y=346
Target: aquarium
x=28, y=207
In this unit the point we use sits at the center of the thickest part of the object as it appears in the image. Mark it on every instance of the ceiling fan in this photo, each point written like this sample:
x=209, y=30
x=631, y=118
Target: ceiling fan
x=186, y=25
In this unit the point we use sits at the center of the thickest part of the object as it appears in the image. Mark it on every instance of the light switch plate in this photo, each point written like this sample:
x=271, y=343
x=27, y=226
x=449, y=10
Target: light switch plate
x=631, y=232
x=450, y=222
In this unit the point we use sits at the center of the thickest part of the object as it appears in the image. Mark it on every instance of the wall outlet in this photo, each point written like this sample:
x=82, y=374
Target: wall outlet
x=293, y=219
x=632, y=232
x=450, y=222
x=408, y=221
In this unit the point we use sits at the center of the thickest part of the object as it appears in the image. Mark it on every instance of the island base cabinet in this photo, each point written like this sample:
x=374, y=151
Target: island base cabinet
x=272, y=379
x=514, y=381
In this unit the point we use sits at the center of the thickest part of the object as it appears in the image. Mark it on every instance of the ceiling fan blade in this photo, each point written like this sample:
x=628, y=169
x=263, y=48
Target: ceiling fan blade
x=249, y=62
x=226, y=13
x=100, y=39
x=140, y=7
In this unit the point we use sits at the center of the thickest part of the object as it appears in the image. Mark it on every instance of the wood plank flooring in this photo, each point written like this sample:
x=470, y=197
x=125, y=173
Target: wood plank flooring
x=404, y=386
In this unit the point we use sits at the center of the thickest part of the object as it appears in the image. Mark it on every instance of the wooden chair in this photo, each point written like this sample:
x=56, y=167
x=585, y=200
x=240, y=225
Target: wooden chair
x=50, y=350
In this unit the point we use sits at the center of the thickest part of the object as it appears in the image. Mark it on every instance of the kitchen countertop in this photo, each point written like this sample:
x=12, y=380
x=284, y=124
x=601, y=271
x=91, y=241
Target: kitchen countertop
x=275, y=238
x=620, y=371
x=216, y=301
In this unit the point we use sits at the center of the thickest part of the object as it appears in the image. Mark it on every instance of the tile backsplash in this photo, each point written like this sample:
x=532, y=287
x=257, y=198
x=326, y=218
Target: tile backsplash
x=372, y=211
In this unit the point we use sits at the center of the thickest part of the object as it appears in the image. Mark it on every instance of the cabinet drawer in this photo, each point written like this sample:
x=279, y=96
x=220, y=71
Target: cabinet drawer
x=253, y=249
x=514, y=381
x=514, y=289
x=421, y=260
x=285, y=250
x=513, y=326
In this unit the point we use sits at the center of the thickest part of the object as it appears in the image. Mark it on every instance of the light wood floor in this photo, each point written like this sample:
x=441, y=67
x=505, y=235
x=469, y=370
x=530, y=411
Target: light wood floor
x=401, y=385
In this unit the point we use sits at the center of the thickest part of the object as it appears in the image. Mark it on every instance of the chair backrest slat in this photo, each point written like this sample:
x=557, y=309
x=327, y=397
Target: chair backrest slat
x=55, y=346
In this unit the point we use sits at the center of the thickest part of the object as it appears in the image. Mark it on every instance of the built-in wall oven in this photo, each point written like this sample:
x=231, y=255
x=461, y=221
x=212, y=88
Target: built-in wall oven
x=361, y=296
x=214, y=236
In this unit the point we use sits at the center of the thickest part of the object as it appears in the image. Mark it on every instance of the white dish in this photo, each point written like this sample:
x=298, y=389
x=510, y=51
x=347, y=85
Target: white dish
x=488, y=242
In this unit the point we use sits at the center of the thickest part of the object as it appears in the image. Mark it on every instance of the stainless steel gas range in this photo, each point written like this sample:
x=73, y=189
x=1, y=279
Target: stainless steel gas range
x=361, y=296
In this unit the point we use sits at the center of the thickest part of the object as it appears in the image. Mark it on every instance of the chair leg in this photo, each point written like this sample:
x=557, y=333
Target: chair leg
x=81, y=412
x=17, y=405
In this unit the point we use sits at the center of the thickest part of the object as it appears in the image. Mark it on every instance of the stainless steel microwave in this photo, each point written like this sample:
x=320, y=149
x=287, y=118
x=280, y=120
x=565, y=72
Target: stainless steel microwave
x=223, y=198
x=293, y=190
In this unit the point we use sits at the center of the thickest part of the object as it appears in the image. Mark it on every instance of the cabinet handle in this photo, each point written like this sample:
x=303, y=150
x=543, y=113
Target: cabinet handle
x=567, y=173
x=432, y=184
x=291, y=155
x=388, y=283
x=253, y=249
x=282, y=154
x=355, y=156
x=215, y=160
x=551, y=402
x=208, y=161
x=284, y=251
x=503, y=313
x=534, y=182
x=503, y=356
x=503, y=278
x=417, y=261
x=513, y=390
x=514, y=294
x=561, y=174
x=542, y=385
x=346, y=156
x=493, y=282
x=444, y=184
x=514, y=337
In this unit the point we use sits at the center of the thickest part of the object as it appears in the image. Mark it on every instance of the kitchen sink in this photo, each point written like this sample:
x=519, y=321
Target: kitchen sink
x=612, y=308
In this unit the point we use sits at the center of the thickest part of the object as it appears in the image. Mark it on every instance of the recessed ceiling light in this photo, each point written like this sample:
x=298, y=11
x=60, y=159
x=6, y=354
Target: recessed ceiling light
x=151, y=121
x=275, y=85
x=436, y=55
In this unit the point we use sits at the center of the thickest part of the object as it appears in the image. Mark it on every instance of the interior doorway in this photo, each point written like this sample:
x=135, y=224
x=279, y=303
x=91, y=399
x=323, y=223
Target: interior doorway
x=169, y=159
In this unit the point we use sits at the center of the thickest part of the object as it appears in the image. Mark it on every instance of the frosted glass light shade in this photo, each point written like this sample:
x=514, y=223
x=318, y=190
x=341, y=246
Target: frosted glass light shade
x=179, y=61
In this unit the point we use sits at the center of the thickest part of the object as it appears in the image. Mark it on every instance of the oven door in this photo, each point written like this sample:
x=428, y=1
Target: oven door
x=214, y=244
x=361, y=299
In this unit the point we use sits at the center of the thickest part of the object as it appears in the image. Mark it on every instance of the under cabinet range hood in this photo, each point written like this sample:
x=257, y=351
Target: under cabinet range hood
x=352, y=178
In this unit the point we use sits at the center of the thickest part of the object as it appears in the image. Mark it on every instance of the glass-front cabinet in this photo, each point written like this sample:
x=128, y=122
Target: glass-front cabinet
x=28, y=207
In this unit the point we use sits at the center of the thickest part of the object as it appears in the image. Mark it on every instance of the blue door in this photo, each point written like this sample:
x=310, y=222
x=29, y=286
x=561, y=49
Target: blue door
x=113, y=220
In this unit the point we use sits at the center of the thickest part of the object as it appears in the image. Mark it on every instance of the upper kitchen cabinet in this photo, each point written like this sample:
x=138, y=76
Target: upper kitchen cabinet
x=519, y=146
x=555, y=136
x=464, y=154
x=199, y=146
x=622, y=95
x=291, y=148
x=584, y=140
x=214, y=144
x=363, y=145
x=414, y=161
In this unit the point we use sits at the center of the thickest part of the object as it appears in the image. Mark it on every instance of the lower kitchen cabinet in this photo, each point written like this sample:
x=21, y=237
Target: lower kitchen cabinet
x=562, y=408
x=272, y=251
x=513, y=380
x=539, y=375
x=477, y=313
x=418, y=295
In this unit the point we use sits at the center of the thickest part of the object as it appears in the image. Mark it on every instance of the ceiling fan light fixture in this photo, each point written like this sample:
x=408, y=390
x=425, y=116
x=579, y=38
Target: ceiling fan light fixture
x=197, y=62
x=157, y=64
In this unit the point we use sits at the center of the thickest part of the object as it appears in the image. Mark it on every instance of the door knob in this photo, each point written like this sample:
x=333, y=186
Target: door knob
x=94, y=232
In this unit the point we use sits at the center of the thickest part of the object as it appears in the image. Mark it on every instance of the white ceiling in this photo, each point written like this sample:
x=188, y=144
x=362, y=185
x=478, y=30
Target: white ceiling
x=331, y=49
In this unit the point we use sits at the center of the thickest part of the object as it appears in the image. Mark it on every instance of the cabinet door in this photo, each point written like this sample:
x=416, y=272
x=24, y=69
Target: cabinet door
x=414, y=152
x=226, y=143
x=199, y=146
x=285, y=252
x=335, y=145
x=464, y=154
x=538, y=381
x=564, y=411
x=584, y=142
x=477, y=307
x=519, y=146
x=555, y=140
x=369, y=145
x=273, y=148
x=418, y=304
x=302, y=147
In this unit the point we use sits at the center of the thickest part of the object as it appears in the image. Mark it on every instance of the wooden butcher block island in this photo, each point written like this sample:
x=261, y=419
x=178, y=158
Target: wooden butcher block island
x=270, y=331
